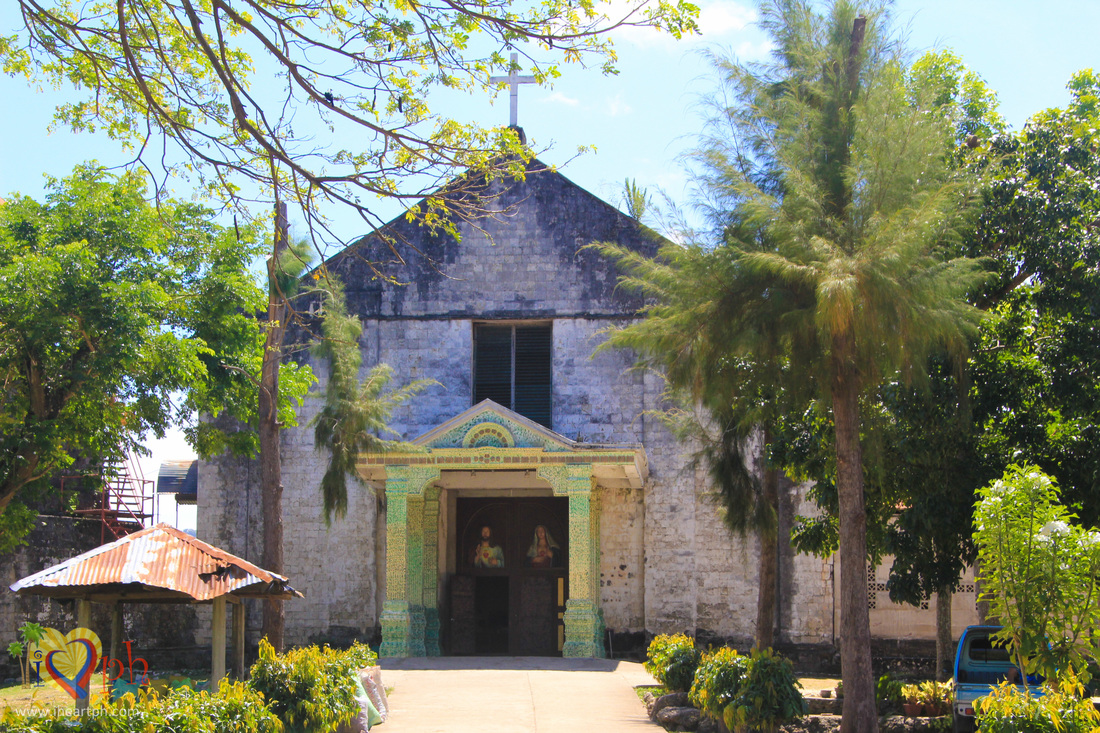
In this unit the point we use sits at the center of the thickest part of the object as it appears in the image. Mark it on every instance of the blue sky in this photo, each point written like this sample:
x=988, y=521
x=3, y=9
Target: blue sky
x=642, y=120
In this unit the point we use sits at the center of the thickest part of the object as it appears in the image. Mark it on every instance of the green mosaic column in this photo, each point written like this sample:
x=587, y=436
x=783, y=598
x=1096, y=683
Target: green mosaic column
x=431, y=572
x=415, y=584
x=583, y=622
x=395, y=610
x=403, y=618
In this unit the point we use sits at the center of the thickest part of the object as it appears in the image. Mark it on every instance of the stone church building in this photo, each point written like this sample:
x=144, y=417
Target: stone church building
x=544, y=511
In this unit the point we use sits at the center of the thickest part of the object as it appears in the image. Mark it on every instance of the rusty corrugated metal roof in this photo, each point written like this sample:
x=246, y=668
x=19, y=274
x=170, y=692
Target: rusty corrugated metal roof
x=159, y=563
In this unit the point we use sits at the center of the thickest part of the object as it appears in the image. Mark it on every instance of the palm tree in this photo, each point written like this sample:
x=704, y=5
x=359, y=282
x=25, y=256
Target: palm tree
x=828, y=185
x=725, y=405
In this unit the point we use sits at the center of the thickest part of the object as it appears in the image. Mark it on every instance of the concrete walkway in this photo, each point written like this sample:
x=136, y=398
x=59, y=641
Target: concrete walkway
x=514, y=695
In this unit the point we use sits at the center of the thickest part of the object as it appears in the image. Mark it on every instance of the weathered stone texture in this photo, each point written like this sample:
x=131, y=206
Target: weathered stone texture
x=667, y=561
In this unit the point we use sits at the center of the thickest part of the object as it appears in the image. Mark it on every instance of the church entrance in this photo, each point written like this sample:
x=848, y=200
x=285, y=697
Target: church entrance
x=508, y=592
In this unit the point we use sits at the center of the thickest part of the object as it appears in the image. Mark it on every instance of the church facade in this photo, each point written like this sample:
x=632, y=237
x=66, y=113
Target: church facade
x=541, y=509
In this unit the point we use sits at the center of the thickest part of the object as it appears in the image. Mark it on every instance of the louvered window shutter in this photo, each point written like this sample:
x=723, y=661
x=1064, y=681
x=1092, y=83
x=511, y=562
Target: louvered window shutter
x=532, y=373
x=512, y=368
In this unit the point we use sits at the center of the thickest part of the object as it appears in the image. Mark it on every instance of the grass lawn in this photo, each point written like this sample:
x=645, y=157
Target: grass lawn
x=49, y=695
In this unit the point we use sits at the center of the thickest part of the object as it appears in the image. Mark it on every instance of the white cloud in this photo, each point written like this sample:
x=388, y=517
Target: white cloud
x=616, y=106
x=716, y=20
x=723, y=16
x=559, y=98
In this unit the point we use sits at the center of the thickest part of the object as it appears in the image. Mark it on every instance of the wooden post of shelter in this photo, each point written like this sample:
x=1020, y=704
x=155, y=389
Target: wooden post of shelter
x=217, y=645
x=239, y=617
x=116, y=630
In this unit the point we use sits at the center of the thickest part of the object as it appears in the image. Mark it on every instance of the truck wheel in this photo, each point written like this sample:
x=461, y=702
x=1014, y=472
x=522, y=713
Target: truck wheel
x=963, y=723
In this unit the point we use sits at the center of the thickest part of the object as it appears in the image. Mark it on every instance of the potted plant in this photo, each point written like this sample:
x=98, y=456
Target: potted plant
x=935, y=696
x=912, y=703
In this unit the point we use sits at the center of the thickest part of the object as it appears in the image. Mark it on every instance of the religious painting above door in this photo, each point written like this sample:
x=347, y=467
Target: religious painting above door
x=486, y=553
x=544, y=552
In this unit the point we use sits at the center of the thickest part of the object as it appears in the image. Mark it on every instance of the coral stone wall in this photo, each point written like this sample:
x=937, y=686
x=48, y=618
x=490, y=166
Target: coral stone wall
x=667, y=562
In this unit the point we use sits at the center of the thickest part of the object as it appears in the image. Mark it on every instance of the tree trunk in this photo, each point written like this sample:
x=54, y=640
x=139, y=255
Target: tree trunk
x=271, y=482
x=18, y=478
x=860, y=715
x=945, y=656
x=769, y=566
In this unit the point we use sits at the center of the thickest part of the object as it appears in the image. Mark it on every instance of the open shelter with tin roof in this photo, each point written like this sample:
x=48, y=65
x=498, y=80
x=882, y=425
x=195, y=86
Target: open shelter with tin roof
x=161, y=564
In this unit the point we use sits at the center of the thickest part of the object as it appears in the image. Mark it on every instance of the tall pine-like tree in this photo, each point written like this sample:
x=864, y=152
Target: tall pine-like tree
x=832, y=200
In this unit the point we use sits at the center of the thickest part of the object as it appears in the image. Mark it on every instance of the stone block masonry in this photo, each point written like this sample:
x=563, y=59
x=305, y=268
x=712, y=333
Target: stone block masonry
x=666, y=562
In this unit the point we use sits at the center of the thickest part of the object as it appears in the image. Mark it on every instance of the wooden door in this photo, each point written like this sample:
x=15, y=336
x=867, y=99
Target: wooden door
x=508, y=594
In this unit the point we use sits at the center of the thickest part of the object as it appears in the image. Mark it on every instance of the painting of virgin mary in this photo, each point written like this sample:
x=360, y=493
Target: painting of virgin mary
x=544, y=552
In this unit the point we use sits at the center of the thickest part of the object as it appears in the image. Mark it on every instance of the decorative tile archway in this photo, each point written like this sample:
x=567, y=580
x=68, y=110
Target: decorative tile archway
x=489, y=437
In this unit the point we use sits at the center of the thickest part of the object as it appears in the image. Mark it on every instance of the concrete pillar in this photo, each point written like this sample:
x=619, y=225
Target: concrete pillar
x=217, y=644
x=395, y=610
x=239, y=639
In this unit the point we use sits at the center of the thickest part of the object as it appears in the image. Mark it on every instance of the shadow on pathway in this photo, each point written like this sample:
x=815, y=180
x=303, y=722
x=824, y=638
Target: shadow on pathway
x=514, y=695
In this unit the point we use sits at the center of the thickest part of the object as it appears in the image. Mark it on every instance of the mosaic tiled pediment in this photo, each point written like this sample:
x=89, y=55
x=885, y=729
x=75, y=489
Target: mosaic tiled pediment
x=489, y=425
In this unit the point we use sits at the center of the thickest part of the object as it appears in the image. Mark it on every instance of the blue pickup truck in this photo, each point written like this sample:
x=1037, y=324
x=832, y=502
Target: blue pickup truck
x=979, y=667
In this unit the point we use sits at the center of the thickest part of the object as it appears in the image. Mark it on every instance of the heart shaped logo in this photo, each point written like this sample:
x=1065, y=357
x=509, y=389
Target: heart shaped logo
x=70, y=659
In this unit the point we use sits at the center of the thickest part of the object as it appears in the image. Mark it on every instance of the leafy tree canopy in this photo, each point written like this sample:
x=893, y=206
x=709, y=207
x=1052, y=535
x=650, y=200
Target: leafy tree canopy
x=109, y=308
x=837, y=211
x=255, y=93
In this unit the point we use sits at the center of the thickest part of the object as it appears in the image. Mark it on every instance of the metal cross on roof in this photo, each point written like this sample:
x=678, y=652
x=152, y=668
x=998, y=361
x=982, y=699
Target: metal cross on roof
x=513, y=80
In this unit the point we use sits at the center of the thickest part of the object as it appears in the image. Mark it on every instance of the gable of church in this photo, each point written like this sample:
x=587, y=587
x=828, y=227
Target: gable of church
x=526, y=259
x=489, y=425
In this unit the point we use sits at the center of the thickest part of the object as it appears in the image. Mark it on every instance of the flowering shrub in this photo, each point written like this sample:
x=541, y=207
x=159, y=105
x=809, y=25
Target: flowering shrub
x=1039, y=573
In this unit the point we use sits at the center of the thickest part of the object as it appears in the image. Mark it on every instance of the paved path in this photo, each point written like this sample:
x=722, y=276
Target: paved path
x=514, y=695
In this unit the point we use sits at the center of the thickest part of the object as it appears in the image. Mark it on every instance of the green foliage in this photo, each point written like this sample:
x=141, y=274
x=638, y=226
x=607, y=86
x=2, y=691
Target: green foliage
x=30, y=634
x=111, y=308
x=234, y=708
x=768, y=694
x=720, y=675
x=889, y=691
x=1011, y=709
x=235, y=91
x=1039, y=573
x=935, y=696
x=940, y=80
x=1036, y=371
x=355, y=413
x=672, y=659
x=311, y=690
